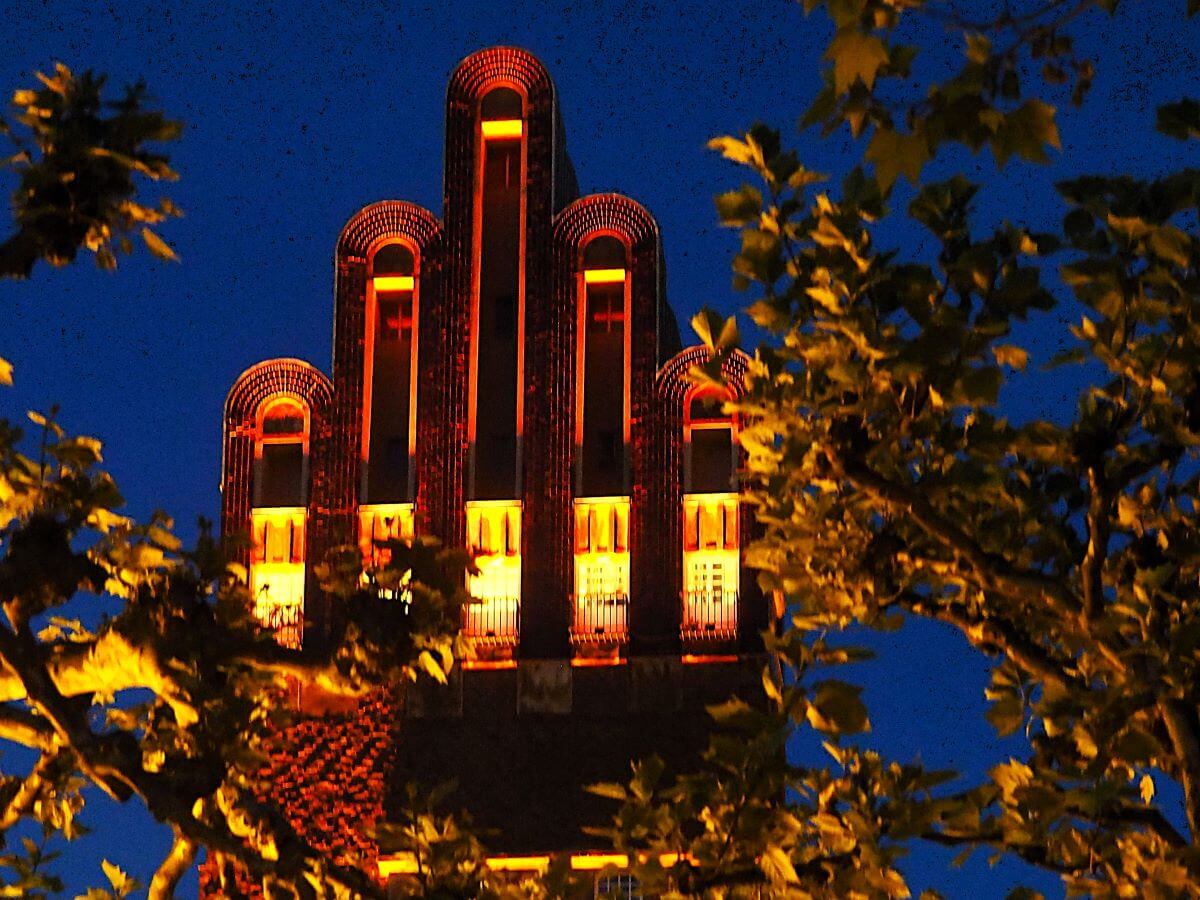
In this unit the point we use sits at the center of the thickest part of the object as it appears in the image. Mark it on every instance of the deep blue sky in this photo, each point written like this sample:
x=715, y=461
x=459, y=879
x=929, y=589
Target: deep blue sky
x=297, y=114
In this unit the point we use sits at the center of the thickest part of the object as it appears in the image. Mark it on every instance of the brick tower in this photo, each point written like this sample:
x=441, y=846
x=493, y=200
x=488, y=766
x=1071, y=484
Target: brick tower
x=508, y=378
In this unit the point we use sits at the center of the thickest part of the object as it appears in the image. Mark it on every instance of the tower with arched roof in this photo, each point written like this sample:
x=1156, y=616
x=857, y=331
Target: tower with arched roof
x=509, y=379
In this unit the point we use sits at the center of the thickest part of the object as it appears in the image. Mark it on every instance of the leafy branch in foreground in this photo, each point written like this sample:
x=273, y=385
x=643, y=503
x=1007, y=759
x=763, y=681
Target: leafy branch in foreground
x=189, y=744
x=77, y=156
x=889, y=480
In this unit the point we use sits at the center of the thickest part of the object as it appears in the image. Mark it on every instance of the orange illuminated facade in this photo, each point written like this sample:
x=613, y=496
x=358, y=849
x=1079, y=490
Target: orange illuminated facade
x=506, y=378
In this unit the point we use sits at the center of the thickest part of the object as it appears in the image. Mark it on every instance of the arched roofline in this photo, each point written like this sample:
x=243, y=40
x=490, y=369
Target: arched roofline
x=605, y=213
x=283, y=376
x=387, y=218
x=673, y=383
x=497, y=67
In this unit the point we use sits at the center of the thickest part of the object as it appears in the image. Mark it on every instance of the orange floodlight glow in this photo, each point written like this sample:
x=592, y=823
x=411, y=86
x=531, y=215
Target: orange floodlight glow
x=594, y=862
x=393, y=282
x=518, y=863
x=503, y=129
x=488, y=665
x=406, y=863
x=604, y=276
x=598, y=662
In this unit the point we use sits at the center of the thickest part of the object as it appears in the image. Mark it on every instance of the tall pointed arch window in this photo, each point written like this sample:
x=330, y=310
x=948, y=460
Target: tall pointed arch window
x=497, y=390
x=390, y=359
x=279, y=517
x=602, y=444
x=711, y=554
x=497, y=338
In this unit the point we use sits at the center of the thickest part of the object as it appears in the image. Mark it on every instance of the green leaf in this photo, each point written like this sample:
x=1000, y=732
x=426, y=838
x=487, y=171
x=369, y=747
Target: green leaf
x=979, y=387
x=122, y=884
x=1025, y=132
x=740, y=207
x=777, y=865
x=1010, y=355
x=836, y=708
x=158, y=246
x=896, y=154
x=609, y=789
x=979, y=48
x=855, y=56
x=1171, y=244
x=1007, y=714
x=715, y=333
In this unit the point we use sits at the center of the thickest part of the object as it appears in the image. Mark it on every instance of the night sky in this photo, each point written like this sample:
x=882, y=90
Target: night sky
x=299, y=114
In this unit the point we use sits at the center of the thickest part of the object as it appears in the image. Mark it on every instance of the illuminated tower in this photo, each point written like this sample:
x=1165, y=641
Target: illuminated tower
x=510, y=380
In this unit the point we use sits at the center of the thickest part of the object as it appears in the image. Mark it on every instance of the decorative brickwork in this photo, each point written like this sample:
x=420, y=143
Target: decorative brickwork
x=664, y=565
x=328, y=773
x=545, y=163
x=421, y=230
x=520, y=755
x=260, y=383
x=551, y=456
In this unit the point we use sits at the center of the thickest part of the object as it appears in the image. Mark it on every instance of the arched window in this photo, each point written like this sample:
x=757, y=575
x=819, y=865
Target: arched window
x=709, y=446
x=711, y=557
x=501, y=104
x=281, y=454
x=390, y=360
x=497, y=373
x=279, y=518
x=602, y=431
x=602, y=447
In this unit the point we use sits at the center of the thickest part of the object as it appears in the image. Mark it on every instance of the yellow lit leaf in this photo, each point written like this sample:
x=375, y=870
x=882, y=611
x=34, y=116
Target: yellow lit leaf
x=777, y=866
x=896, y=154
x=1010, y=355
x=1146, y=789
x=158, y=246
x=855, y=55
x=979, y=48
x=6, y=370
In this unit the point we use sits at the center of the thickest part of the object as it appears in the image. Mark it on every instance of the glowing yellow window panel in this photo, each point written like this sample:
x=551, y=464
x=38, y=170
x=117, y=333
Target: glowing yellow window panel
x=601, y=568
x=277, y=570
x=603, y=276
x=503, y=129
x=494, y=536
x=711, y=565
x=393, y=283
x=381, y=522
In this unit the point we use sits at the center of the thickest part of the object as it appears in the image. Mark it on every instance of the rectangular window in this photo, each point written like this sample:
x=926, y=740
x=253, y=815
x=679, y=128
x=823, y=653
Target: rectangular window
x=277, y=571
x=494, y=537
x=281, y=474
x=601, y=570
x=711, y=566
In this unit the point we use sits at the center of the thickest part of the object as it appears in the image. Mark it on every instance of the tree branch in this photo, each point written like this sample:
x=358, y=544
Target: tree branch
x=172, y=869
x=993, y=571
x=1182, y=730
x=22, y=727
x=1005, y=636
x=1098, y=522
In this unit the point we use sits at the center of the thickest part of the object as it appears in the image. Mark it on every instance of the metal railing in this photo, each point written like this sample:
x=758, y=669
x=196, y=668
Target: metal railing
x=600, y=618
x=709, y=615
x=495, y=621
x=284, y=620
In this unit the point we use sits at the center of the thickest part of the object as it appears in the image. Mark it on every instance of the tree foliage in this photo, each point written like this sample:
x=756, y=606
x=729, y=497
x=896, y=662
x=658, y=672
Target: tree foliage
x=889, y=483
x=77, y=155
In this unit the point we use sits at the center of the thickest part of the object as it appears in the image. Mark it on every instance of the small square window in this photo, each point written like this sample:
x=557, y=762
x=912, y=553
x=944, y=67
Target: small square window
x=618, y=887
x=395, y=318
